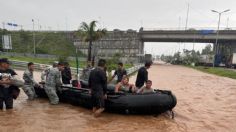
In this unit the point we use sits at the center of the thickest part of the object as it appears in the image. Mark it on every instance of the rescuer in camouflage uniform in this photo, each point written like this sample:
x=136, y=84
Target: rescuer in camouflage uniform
x=53, y=83
x=45, y=72
x=86, y=71
x=30, y=83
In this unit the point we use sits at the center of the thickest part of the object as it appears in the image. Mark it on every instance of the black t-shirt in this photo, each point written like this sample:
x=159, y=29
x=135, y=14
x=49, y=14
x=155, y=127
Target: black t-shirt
x=66, y=75
x=4, y=92
x=120, y=73
x=98, y=81
x=7, y=73
x=142, y=77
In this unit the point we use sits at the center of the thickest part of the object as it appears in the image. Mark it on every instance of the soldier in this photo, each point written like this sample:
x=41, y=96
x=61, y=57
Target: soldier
x=86, y=71
x=30, y=83
x=53, y=82
x=45, y=72
x=9, y=83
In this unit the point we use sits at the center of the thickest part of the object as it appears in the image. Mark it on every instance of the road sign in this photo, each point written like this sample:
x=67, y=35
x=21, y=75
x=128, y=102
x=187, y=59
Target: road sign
x=6, y=42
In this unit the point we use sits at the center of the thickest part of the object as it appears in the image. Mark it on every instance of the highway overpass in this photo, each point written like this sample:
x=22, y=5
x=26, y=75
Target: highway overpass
x=199, y=36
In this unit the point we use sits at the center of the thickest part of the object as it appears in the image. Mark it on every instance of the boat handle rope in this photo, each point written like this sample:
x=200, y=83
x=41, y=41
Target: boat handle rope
x=172, y=114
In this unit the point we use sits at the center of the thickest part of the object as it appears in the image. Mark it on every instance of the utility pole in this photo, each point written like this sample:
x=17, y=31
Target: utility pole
x=100, y=22
x=179, y=26
x=227, y=26
x=141, y=22
x=179, y=29
x=216, y=49
x=193, y=41
x=38, y=25
x=34, y=38
x=66, y=22
x=3, y=25
x=186, y=24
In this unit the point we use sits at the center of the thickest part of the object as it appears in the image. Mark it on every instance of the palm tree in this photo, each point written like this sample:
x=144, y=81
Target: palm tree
x=88, y=33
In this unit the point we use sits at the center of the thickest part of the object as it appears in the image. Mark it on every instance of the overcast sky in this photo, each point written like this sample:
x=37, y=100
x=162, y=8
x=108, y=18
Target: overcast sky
x=120, y=14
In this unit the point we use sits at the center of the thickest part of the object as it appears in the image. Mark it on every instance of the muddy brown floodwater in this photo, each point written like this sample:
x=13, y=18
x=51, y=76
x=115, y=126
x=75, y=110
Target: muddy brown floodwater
x=205, y=103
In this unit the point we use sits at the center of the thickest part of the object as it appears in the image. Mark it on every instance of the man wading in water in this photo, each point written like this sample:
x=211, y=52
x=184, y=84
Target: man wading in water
x=9, y=83
x=66, y=74
x=98, y=85
x=53, y=83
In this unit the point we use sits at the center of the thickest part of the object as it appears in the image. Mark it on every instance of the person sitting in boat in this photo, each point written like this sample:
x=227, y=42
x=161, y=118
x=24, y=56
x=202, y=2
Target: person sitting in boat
x=146, y=89
x=120, y=73
x=125, y=86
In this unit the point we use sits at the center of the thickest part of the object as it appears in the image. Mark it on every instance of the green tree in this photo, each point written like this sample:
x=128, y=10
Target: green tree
x=177, y=58
x=187, y=58
x=207, y=50
x=89, y=33
x=191, y=56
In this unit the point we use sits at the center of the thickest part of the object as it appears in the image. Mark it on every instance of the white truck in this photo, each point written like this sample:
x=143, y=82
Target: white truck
x=206, y=60
x=234, y=60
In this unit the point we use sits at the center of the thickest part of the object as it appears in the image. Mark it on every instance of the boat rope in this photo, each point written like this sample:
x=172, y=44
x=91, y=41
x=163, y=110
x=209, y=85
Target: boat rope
x=172, y=114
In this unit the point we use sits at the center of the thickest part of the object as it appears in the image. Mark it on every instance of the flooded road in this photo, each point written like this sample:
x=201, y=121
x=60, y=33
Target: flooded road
x=205, y=103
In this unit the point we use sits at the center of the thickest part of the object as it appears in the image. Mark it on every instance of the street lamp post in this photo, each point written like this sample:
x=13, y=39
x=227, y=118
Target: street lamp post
x=34, y=38
x=216, y=50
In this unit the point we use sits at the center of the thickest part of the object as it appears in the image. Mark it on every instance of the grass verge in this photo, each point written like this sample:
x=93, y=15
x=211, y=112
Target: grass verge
x=217, y=71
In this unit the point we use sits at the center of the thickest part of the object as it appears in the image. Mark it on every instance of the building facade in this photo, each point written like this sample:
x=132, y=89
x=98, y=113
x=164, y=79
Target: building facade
x=126, y=43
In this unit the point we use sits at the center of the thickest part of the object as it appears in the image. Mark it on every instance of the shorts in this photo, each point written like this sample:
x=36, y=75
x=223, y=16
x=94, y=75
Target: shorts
x=8, y=102
x=98, y=100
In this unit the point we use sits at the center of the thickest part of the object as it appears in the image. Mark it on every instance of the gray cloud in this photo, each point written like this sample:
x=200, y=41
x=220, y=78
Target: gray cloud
x=122, y=14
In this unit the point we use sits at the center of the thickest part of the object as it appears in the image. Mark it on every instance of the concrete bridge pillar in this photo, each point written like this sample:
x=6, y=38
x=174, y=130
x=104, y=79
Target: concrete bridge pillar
x=142, y=47
x=224, y=53
x=233, y=48
x=218, y=50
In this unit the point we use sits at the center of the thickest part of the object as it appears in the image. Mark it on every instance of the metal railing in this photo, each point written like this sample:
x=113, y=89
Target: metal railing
x=133, y=69
x=22, y=65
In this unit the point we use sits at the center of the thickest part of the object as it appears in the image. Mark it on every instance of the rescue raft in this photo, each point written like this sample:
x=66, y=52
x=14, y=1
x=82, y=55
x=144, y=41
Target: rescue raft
x=132, y=103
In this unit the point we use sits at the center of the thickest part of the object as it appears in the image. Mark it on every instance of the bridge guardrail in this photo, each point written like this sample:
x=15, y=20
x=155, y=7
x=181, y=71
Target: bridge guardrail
x=190, y=28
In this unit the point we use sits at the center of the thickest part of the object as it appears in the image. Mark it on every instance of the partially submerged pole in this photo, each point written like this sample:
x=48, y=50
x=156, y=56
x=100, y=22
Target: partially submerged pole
x=77, y=69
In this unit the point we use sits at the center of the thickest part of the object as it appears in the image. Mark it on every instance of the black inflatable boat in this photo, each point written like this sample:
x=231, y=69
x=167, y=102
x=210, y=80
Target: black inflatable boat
x=154, y=103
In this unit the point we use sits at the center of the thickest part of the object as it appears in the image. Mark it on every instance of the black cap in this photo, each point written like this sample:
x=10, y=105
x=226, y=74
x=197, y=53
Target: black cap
x=4, y=60
x=60, y=64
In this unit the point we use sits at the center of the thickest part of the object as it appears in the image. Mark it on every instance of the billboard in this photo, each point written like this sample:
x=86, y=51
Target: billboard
x=6, y=42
